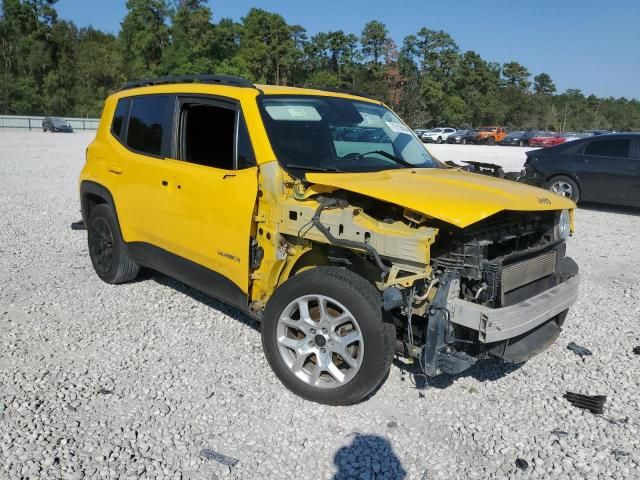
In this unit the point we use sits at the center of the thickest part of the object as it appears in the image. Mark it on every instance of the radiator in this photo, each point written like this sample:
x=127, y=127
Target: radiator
x=522, y=273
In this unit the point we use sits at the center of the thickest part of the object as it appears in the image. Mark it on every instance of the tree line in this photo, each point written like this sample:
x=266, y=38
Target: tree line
x=50, y=66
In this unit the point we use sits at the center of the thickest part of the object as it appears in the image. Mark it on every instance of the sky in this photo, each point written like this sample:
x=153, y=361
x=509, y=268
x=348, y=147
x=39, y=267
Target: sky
x=592, y=45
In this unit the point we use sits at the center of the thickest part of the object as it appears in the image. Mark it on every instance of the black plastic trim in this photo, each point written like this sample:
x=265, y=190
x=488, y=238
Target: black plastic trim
x=188, y=272
x=87, y=188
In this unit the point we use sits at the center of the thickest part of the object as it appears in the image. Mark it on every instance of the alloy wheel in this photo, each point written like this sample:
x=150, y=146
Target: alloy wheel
x=562, y=188
x=320, y=341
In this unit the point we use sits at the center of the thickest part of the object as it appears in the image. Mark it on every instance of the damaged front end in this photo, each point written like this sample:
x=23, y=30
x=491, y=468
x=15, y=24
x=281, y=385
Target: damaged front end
x=500, y=287
x=504, y=287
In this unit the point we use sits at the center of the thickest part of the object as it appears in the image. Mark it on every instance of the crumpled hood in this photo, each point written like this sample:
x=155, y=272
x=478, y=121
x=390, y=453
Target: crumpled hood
x=453, y=196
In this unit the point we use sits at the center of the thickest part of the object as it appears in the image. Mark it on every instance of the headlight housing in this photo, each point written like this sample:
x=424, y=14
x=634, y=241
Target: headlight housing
x=563, y=225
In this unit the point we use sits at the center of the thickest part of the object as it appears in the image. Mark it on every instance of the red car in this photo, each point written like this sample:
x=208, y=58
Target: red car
x=547, y=139
x=550, y=139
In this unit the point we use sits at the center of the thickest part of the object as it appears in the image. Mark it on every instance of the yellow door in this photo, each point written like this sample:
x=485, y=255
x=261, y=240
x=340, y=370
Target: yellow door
x=206, y=217
x=136, y=166
x=210, y=191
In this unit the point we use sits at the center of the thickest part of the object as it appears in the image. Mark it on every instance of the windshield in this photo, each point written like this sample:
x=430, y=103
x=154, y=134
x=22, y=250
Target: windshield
x=339, y=135
x=59, y=121
x=489, y=129
x=515, y=134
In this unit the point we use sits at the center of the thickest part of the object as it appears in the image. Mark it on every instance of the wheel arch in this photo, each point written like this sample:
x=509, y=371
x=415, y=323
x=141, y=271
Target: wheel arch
x=563, y=173
x=570, y=175
x=92, y=194
x=321, y=255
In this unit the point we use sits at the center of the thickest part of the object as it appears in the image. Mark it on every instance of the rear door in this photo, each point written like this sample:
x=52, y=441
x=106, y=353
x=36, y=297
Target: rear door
x=142, y=126
x=631, y=195
x=604, y=168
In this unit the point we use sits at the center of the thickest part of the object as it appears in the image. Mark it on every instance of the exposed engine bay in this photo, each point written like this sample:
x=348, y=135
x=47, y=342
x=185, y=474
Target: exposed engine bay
x=423, y=266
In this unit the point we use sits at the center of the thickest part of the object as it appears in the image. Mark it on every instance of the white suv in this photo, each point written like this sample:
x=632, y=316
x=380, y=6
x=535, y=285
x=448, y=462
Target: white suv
x=437, y=135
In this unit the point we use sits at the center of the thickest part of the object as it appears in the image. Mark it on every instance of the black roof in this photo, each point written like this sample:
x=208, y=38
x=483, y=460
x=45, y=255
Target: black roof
x=209, y=79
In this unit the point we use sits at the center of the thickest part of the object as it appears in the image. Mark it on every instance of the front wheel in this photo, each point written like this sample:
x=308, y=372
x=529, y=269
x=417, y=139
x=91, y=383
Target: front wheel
x=324, y=336
x=491, y=141
x=565, y=186
x=439, y=140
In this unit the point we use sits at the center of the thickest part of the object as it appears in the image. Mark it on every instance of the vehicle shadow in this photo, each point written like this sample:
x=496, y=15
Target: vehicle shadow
x=598, y=207
x=486, y=370
x=198, y=296
x=368, y=456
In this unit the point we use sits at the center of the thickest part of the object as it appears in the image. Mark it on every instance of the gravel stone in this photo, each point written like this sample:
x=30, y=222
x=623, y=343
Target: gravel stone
x=187, y=373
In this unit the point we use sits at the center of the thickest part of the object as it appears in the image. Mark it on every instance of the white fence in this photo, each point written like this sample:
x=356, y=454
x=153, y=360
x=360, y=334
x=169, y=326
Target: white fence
x=35, y=123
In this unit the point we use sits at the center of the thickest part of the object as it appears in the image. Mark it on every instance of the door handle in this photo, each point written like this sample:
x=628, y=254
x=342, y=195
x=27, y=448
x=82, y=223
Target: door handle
x=114, y=168
x=582, y=160
x=228, y=176
x=165, y=183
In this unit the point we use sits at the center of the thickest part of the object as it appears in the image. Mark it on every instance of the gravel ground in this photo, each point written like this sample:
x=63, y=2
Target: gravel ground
x=154, y=380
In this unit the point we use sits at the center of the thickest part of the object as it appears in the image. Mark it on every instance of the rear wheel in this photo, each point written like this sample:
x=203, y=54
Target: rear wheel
x=324, y=336
x=107, y=250
x=439, y=140
x=491, y=141
x=565, y=186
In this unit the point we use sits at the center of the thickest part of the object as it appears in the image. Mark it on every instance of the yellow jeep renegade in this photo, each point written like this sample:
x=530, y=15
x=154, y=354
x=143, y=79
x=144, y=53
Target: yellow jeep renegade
x=323, y=215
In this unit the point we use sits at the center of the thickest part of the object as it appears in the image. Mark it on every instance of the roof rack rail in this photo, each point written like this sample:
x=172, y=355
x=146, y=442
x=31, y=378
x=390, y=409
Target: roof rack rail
x=343, y=90
x=211, y=79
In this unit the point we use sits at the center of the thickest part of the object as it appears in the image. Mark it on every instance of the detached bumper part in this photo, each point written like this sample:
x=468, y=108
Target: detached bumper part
x=514, y=333
x=497, y=324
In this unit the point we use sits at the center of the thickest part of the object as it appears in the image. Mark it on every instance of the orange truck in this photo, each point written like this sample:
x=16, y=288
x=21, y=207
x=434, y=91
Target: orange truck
x=490, y=135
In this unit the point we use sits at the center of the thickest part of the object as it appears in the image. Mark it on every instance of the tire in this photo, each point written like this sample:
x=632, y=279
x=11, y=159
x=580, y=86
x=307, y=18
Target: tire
x=44, y=129
x=491, y=141
x=107, y=250
x=565, y=186
x=294, y=347
x=439, y=140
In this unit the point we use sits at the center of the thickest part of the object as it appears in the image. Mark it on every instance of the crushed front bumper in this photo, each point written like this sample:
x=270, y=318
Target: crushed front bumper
x=514, y=333
x=498, y=324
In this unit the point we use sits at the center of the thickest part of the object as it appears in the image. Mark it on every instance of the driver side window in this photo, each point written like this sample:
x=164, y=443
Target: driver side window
x=213, y=134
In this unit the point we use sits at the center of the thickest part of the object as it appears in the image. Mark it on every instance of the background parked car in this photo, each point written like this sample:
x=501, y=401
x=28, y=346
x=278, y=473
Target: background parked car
x=437, y=135
x=520, y=138
x=602, y=168
x=490, y=135
x=56, y=124
x=544, y=139
x=462, y=136
x=420, y=131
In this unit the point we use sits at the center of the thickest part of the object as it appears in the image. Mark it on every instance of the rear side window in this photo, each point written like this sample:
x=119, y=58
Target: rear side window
x=618, y=147
x=150, y=124
x=119, y=117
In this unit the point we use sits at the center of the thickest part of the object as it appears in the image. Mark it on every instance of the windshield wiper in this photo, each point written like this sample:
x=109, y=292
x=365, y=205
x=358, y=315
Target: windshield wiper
x=385, y=154
x=311, y=168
